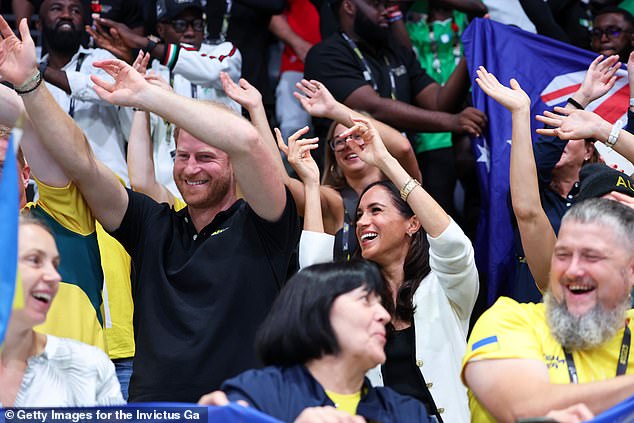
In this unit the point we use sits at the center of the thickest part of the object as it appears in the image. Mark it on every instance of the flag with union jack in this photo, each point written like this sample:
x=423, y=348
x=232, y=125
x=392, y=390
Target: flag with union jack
x=549, y=71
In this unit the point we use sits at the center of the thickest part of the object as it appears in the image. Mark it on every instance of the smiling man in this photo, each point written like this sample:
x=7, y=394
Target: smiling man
x=524, y=360
x=612, y=33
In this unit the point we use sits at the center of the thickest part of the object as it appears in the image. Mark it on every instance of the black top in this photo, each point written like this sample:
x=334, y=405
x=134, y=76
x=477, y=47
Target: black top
x=400, y=371
x=334, y=63
x=199, y=297
x=249, y=31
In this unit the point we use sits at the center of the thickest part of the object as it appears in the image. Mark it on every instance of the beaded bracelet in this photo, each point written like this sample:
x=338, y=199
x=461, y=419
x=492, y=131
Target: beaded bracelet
x=30, y=85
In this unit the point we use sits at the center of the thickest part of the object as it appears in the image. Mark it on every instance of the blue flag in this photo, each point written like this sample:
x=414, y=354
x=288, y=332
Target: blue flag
x=9, y=204
x=549, y=71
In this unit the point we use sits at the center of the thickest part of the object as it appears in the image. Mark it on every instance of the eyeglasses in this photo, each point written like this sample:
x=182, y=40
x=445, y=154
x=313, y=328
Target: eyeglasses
x=338, y=144
x=180, y=25
x=610, y=32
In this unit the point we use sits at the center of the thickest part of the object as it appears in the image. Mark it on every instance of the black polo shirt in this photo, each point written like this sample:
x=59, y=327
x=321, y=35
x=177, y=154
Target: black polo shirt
x=200, y=297
x=334, y=63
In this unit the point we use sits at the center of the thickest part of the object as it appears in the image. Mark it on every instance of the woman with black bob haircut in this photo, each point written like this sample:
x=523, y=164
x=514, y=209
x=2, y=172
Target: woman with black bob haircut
x=324, y=332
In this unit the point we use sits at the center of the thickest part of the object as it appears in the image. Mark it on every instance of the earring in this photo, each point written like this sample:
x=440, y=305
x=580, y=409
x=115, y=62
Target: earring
x=409, y=234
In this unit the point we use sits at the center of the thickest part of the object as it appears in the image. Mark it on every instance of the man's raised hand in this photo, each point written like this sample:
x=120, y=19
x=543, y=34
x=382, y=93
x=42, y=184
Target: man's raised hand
x=128, y=86
x=18, y=61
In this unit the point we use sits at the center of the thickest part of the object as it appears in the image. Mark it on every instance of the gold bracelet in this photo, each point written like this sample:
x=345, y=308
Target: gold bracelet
x=408, y=187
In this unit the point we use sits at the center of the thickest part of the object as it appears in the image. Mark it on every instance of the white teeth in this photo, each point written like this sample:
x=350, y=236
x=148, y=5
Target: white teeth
x=42, y=296
x=580, y=287
x=195, y=182
x=352, y=156
x=369, y=235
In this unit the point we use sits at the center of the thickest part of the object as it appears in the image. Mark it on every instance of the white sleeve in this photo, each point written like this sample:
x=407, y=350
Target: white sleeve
x=81, y=87
x=108, y=388
x=203, y=67
x=452, y=260
x=314, y=248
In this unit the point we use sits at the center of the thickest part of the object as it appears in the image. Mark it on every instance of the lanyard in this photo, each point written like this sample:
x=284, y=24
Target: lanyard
x=621, y=366
x=224, y=28
x=367, y=72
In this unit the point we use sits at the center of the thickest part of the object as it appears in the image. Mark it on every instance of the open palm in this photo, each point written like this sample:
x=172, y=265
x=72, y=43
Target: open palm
x=513, y=98
x=317, y=100
x=127, y=86
x=18, y=61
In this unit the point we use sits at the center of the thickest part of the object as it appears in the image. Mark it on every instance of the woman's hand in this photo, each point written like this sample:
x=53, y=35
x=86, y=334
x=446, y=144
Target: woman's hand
x=599, y=78
x=245, y=94
x=569, y=124
x=514, y=98
x=141, y=62
x=298, y=154
x=317, y=100
x=365, y=141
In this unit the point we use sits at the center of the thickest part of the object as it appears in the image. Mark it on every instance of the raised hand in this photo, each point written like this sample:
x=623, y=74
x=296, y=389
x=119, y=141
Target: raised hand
x=513, y=98
x=128, y=85
x=245, y=94
x=365, y=141
x=18, y=61
x=317, y=100
x=599, y=78
x=110, y=40
x=298, y=154
x=141, y=62
x=569, y=124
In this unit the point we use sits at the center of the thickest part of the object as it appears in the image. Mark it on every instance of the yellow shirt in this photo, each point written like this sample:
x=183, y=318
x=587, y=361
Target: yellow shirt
x=345, y=402
x=513, y=330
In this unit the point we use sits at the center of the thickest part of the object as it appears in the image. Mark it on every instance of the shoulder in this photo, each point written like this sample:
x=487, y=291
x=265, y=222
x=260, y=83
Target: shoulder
x=506, y=311
x=72, y=354
x=260, y=387
x=334, y=44
x=94, y=54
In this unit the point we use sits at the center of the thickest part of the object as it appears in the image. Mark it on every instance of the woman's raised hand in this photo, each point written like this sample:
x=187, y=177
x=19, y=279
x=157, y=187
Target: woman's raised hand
x=298, y=154
x=513, y=98
x=365, y=141
x=316, y=98
x=569, y=124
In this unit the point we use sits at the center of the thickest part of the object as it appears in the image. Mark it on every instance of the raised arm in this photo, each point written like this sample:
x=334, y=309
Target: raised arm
x=253, y=162
x=572, y=124
x=370, y=149
x=538, y=237
x=250, y=98
x=59, y=134
x=319, y=102
x=140, y=155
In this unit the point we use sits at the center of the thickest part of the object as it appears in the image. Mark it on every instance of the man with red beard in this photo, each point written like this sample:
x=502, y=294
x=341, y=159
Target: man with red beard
x=524, y=360
x=205, y=277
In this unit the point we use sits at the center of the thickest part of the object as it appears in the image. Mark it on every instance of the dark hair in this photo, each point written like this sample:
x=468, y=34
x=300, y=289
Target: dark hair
x=416, y=265
x=298, y=329
x=627, y=16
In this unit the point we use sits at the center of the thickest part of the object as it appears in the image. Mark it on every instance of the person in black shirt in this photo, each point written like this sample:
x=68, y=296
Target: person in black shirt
x=205, y=277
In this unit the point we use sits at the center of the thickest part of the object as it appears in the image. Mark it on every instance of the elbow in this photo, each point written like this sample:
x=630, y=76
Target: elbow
x=526, y=211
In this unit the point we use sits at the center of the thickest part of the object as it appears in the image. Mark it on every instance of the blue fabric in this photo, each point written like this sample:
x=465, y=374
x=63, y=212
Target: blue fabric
x=9, y=204
x=620, y=413
x=549, y=71
x=284, y=392
x=123, y=367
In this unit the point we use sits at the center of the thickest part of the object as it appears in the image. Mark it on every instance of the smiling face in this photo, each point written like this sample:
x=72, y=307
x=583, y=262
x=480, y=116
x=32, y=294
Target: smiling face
x=38, y=260
x=358, y=320
x=62, y=24
x=382, y=230
x=590, y=268
x=612, y=36
x=203, y=174
x=347, y=161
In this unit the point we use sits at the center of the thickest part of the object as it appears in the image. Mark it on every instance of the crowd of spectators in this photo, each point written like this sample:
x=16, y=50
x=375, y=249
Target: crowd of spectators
x=174, y=242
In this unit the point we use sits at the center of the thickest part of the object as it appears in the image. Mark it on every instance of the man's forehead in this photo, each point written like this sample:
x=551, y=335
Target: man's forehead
x=610, y=19
x=584, y=235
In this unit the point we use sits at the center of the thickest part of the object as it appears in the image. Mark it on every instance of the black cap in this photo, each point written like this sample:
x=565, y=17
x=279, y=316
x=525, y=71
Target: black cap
x=597, y=179
x=169, y=9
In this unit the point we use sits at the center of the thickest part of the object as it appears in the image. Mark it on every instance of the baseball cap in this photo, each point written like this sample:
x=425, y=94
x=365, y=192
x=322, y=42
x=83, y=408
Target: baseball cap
x=169, y=9
x=597, y=179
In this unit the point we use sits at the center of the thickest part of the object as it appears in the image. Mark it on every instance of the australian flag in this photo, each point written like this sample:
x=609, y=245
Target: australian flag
x=549, y=71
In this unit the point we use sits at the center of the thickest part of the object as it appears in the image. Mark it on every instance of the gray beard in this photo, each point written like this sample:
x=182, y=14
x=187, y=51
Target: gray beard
x=585, y=332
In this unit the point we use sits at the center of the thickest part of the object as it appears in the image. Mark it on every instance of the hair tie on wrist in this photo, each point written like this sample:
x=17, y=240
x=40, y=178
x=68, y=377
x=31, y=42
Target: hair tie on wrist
x=574, y=103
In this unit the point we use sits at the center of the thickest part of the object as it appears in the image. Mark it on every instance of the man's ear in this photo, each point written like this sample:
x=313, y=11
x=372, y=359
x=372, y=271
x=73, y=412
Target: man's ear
x=349, y=7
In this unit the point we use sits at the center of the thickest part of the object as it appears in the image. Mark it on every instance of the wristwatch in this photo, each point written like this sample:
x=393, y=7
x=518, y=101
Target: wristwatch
x=152, y=41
